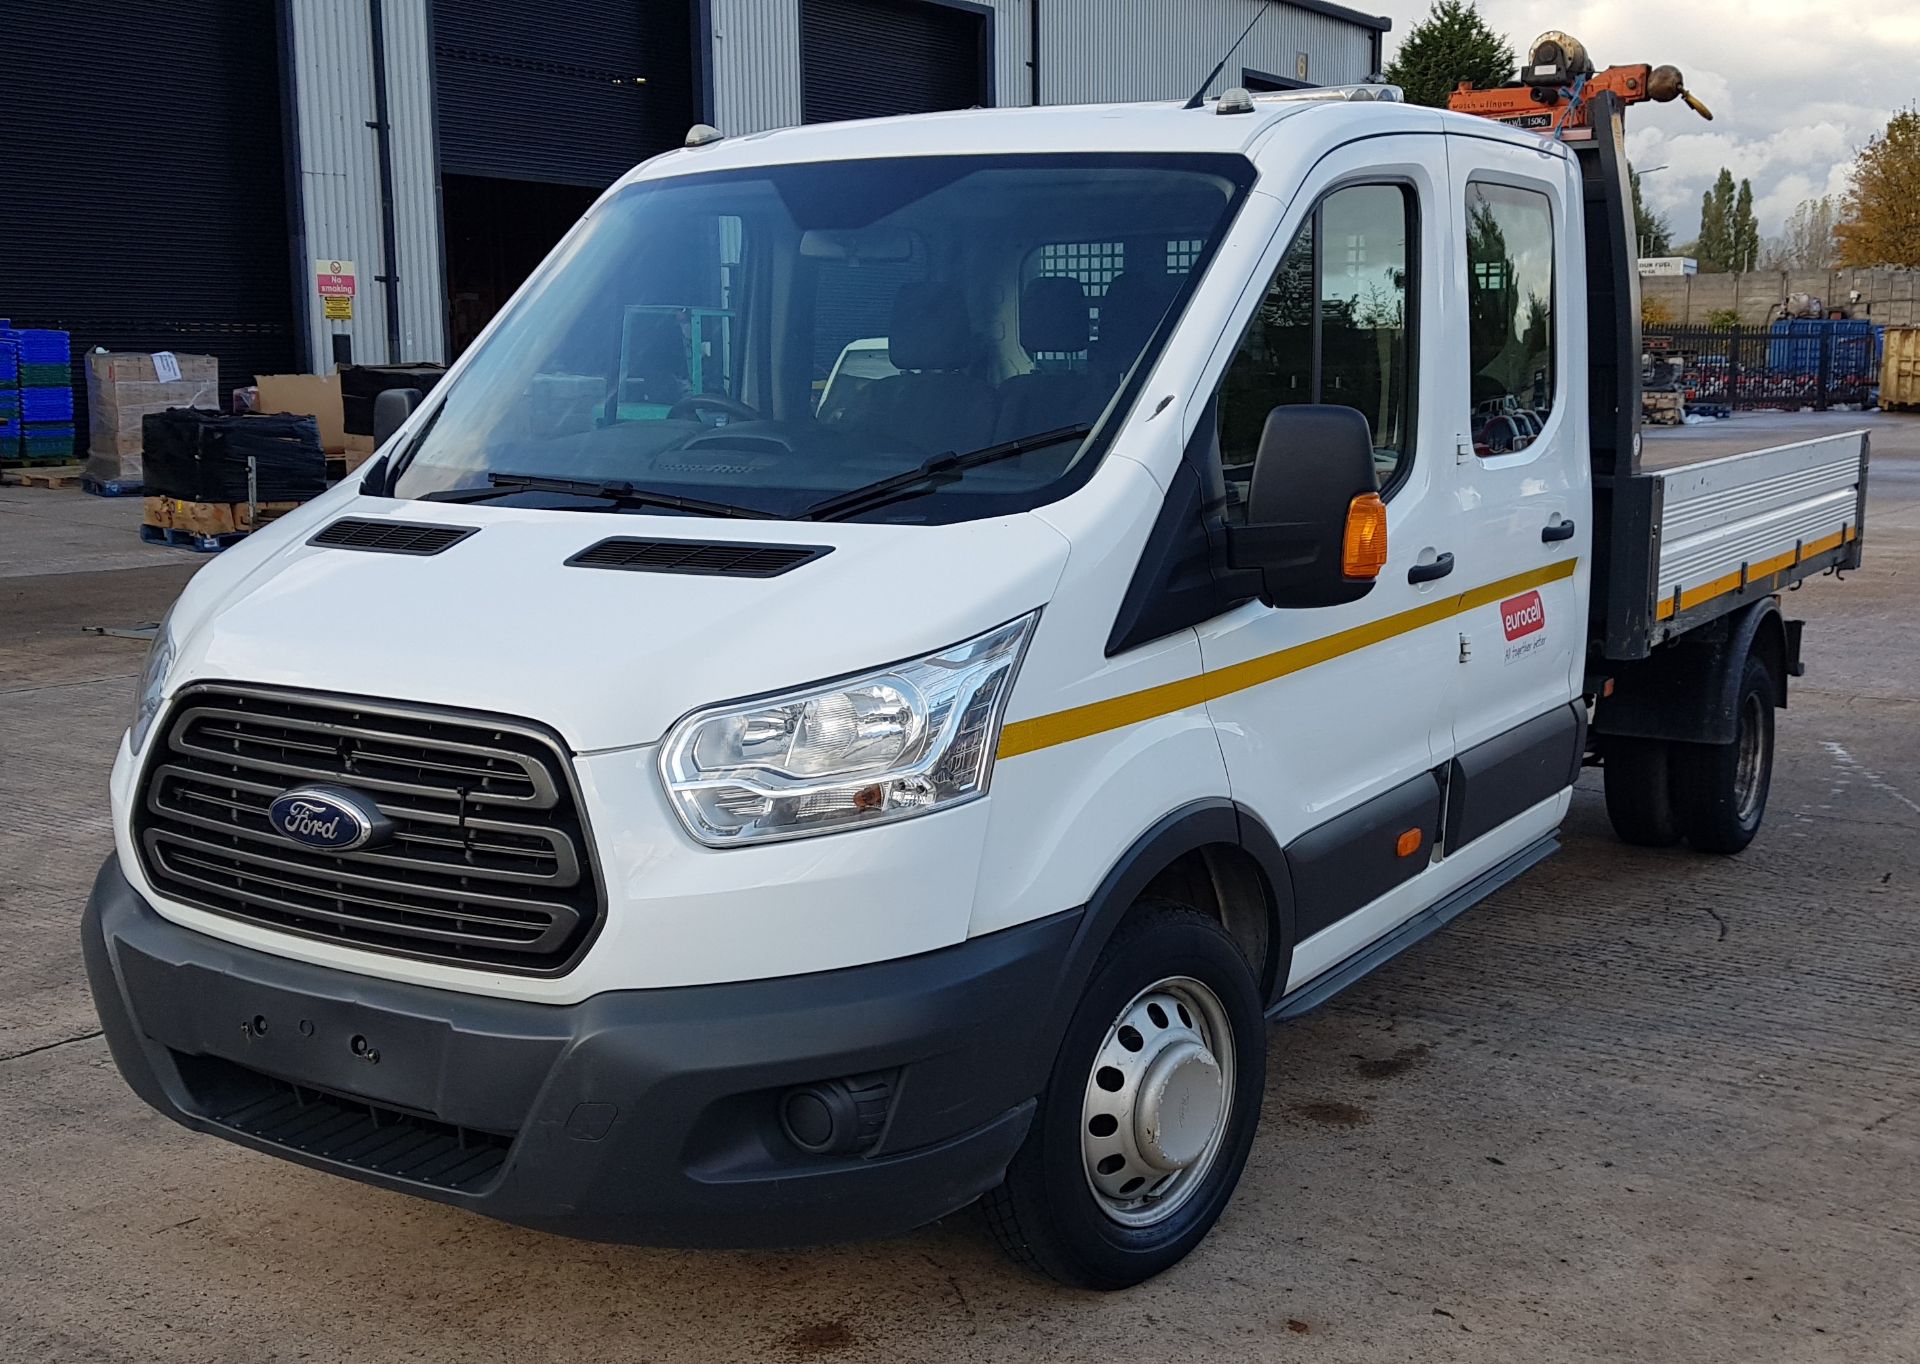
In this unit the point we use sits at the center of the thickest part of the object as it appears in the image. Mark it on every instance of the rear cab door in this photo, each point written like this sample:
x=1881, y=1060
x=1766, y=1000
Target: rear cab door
x=1518, y=486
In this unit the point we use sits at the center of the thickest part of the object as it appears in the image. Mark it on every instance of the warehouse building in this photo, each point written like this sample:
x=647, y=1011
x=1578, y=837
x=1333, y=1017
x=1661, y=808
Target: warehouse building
x=287, y=186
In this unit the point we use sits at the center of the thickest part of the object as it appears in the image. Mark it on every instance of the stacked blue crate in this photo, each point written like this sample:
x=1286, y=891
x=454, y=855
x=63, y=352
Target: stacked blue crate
x=9, y=395
x=39, y=405
x=46, y=400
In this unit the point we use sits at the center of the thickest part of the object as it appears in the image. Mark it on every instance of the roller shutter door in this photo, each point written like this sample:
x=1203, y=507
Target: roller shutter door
x=575, y=93
x=144, y=181
x=870, y=58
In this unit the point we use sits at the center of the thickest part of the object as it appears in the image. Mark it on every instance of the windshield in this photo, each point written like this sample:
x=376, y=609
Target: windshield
x=776, y=338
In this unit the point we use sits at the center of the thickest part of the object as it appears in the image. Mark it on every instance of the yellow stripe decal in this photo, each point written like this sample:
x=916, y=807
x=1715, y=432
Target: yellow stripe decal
x=1117, y=712
x=1764, y=568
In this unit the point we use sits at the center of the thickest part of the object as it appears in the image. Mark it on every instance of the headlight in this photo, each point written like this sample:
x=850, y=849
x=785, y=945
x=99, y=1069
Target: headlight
x=899, y=741
x=153, y=681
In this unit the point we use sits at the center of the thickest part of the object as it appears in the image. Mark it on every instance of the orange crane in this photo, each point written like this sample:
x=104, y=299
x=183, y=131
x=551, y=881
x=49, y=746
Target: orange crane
x=1558, y=84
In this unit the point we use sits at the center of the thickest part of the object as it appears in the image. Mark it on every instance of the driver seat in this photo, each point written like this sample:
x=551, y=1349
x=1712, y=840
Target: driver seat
x=936, y=401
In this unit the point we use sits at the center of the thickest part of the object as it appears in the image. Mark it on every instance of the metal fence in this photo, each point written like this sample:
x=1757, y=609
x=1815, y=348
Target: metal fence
x=1791, y=365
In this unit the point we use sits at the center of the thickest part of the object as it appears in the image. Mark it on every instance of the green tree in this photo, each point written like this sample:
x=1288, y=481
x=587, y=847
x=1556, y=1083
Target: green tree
x=1880, y=216
x=1715, y=247
x=1745, y=230
x=1452, y=44
x=1729, y=233
x=1649, y=228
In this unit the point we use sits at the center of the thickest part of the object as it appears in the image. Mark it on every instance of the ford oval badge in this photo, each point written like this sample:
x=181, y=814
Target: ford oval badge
x=328, y=818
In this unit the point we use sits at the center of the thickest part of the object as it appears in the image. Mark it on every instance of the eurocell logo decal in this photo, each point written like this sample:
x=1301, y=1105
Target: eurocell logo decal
x=1522, y=615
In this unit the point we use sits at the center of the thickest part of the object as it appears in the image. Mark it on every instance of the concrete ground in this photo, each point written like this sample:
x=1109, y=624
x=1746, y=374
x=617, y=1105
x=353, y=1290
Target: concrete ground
x=1639, y=1105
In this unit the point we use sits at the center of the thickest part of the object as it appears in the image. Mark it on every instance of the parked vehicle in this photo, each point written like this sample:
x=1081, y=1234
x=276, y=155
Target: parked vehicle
x=719, y=817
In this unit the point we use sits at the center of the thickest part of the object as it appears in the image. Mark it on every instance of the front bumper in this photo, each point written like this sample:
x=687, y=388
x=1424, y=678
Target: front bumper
x=648, y=1115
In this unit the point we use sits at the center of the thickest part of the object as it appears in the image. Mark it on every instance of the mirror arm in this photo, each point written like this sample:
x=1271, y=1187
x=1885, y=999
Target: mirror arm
x=1281, y=545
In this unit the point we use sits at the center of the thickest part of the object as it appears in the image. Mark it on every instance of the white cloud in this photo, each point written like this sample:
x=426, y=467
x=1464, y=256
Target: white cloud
x=1796, y=88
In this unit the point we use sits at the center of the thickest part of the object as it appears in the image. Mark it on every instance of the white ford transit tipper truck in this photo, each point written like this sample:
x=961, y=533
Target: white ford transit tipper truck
x=655, y=804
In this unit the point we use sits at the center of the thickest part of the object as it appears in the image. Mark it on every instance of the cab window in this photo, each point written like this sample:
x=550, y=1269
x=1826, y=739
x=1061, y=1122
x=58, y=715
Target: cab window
x=1510, y=284
x=1335, y=326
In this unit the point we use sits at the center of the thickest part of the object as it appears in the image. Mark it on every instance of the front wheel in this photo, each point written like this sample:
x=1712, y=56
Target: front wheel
x=1720, y=790
x=1147, y=1118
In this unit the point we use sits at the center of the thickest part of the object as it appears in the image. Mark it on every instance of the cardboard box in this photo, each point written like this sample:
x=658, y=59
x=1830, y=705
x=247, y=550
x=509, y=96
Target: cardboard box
x=123, y=387
x=307, y=395
x=136, y=367
x=116, y=412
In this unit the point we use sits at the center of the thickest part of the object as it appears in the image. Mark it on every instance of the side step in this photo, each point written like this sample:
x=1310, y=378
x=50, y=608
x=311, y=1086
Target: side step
x=1420, y=927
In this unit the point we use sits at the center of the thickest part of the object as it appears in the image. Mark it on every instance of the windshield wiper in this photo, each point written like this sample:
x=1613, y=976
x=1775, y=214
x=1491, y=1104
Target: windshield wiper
x=613, y=490
x=938, y=470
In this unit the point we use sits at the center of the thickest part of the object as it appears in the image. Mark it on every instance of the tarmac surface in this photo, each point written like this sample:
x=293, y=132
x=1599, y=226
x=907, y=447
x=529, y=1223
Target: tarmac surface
x=1639, y=1105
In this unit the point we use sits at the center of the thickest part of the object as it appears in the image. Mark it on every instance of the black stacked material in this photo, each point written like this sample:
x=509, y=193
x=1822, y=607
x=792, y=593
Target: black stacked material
x=201, y=456
x=361, y=384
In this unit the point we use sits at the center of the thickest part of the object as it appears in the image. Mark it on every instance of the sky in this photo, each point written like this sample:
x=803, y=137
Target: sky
x=1795, y=88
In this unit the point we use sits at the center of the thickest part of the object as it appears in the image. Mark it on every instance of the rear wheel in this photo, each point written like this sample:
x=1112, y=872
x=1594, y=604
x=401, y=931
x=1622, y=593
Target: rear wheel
x=1147, y=1118
x=1720, y=790
x=1639, y=785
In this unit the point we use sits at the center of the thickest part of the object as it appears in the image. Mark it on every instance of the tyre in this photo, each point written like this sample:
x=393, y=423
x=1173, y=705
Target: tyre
x=1720, y=790
x=1638, y=779
x=1147, y=1117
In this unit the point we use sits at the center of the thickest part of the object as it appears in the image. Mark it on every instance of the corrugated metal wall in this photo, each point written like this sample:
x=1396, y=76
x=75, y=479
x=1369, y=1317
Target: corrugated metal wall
x=416, y=197
x=756, y=64
x=756, y=60
x=571, y=94
x=340, y=173
x=142, y=182
x=1098, y=50
x=1012, y=44
x=1090, y=51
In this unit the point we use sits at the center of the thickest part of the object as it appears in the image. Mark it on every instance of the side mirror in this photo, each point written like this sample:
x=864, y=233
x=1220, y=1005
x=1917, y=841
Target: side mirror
x=391, y=408
x=1316, y=530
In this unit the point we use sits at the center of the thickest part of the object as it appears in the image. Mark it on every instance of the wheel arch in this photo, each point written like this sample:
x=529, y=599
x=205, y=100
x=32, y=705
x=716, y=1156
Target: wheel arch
x=1216, y=842
x=1688, y=691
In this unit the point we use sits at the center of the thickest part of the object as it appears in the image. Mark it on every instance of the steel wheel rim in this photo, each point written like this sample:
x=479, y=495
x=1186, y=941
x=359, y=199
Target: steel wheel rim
x=1159, y=1100
x=1750, y=758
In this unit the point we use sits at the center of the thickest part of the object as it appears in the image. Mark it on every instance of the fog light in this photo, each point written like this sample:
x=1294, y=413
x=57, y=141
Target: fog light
x=837, y=1117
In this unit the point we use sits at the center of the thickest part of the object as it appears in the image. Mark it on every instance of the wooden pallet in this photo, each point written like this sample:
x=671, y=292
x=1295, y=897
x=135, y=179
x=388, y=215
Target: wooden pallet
x=48, y=475
x=212, y=518
x=113, y=487
x=186, y=539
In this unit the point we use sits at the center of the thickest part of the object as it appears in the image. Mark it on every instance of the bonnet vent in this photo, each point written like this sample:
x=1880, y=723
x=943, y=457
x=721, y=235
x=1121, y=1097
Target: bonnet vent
x=720, y=559
x=390, y=537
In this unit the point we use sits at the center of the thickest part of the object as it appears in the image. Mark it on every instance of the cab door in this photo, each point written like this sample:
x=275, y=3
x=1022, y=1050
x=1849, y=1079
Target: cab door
x=1519, y=494
x=1334, y=719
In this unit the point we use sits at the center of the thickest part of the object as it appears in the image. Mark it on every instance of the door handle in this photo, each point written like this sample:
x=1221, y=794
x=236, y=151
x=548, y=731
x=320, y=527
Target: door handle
x=1426, y=573
x=1562, y=530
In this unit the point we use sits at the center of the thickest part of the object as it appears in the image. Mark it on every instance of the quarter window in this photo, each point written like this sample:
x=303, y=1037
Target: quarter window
x=1335, y=326
x=1510, y=293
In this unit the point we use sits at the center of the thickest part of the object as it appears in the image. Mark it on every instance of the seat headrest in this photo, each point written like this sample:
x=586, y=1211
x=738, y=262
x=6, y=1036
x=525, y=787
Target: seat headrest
x=1053, y=315
x=929, y=329
x=1132, y=308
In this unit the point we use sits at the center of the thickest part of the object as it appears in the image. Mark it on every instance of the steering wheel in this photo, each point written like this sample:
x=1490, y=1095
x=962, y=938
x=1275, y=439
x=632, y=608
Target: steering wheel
x=688, y=408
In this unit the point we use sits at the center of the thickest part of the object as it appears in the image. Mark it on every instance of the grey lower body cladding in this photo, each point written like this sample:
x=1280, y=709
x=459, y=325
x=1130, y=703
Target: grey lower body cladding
x=647, y=1116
